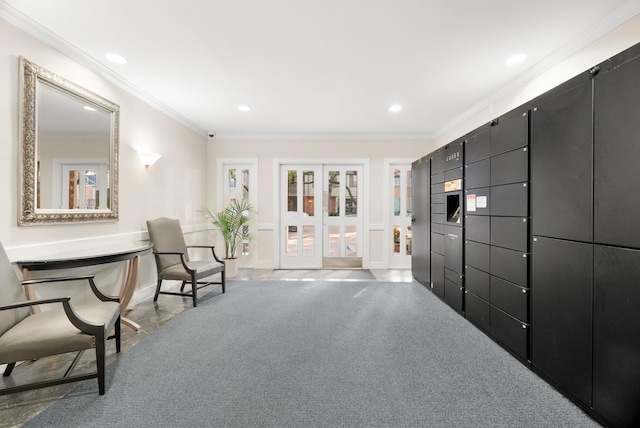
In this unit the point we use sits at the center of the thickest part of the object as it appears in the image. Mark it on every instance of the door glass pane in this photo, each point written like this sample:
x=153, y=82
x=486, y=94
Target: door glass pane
x=334, y=193
x=396, y=192
x=90, y=189
x=351, y=194
x=245, y=185
x=308, y=241
x=82, y=189
x=409, y=193
x=351, y=241
x=244, y=191
x=396, y=239
x=245, y=242
x=408, y=240
x=334, y=241
x=292, y=193
x=291, y=236
x=308, y=193
x=73, y=192
x=232, y=184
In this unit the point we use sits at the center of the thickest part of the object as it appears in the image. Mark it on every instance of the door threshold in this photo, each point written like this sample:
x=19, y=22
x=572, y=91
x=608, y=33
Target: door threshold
x=342, y=262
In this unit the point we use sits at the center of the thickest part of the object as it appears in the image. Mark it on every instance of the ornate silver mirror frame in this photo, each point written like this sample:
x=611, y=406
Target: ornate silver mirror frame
x=34, y=82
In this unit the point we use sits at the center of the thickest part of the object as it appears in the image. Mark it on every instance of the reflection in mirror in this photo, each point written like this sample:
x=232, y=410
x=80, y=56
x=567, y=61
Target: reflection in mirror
x=69, y=151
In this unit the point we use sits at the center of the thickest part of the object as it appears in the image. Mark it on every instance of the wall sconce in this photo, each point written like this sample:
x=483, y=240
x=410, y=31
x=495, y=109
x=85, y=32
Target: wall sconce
x=149, y=158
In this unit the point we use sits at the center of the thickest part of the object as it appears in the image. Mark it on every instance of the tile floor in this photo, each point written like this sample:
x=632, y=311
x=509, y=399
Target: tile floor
x=16, y=409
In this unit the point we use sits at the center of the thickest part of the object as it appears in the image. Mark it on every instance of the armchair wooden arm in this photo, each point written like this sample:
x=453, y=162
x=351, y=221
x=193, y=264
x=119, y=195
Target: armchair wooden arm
x=90, y=278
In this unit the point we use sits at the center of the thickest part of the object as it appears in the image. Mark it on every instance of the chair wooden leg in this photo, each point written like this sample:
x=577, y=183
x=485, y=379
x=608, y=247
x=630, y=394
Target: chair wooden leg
x=182, y=286
x=194, y=289
x=8, y=369
x=117, y=334
x=100, y=361
x=223, y=281
x=155, y=298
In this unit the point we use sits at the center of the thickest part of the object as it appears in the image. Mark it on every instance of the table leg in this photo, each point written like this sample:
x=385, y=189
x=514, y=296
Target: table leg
x=29, y=290
x=127, y=291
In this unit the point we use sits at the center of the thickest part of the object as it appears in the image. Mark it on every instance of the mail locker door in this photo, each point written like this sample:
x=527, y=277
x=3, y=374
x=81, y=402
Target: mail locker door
x=510, y=232
x=511, y=131
x=510, y=298
x=478, y=146
x=453, y=291
x=510, y=332
x=477, y=201
x=562, y=165
x=477, y=311
x=437, y=274
x=478, y=255
x=477, y=174
x=478, y=228
x=510, y=265
x=510, y=167
x=453, y=244
x=477, y=282
x=616, y=336
x=561, y=306
x=510, y=200
x=617, y=156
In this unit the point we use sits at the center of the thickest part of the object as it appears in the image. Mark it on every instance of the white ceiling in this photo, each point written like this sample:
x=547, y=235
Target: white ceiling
x=323, y=68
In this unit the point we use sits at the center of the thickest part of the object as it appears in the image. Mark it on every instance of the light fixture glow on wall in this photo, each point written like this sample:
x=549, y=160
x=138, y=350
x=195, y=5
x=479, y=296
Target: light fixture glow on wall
x=149, y=159
x=395, y=108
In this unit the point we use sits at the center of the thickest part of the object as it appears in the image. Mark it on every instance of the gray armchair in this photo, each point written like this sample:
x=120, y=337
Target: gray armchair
x=64, y=328
x=173, y=263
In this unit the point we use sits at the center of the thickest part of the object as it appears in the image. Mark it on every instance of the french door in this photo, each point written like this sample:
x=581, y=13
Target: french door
x=401, y=216
x=342, y=214
x=301, y=216
x=84, y=186
x=320, y=216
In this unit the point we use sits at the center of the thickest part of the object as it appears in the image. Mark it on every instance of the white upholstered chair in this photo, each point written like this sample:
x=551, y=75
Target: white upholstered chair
x=173, y=262
x=63, y=328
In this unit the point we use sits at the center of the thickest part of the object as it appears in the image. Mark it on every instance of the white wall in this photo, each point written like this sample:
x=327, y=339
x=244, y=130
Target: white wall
x=173, y=187
x=269, y=151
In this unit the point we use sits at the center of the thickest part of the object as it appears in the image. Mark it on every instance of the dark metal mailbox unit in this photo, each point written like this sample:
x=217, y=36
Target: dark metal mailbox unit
x=447, y=225
x=545, y=256
x=497, y=230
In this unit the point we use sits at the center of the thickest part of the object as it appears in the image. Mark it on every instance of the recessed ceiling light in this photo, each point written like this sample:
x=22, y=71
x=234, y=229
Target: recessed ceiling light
x=516, y=59
x=395, y=108
x=118, y=59
x=244, y=108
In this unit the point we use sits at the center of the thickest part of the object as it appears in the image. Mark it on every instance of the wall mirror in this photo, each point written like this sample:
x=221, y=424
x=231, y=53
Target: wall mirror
x=68, y=153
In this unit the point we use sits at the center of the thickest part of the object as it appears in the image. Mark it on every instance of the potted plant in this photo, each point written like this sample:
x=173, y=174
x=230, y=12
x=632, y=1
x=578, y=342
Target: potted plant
x=232, y=224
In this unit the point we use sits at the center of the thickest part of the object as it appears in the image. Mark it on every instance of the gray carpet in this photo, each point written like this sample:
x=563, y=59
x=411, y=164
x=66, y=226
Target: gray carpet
x=316, y=354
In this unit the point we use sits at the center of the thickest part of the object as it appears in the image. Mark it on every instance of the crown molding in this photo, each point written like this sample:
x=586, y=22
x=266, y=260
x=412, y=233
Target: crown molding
x=325, y=137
